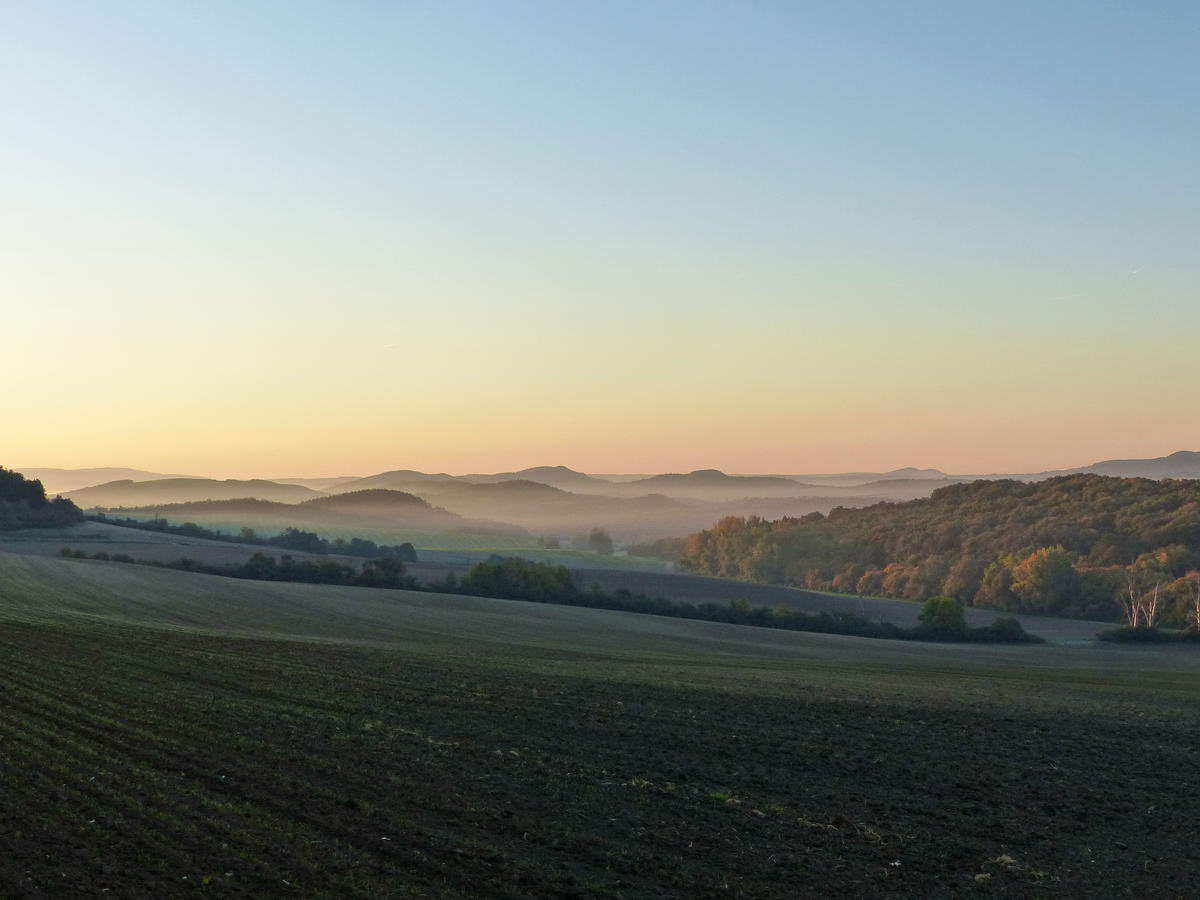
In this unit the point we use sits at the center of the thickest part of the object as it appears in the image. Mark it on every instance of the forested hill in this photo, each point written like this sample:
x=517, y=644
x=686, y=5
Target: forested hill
x=1066, y=545
x=23, y=504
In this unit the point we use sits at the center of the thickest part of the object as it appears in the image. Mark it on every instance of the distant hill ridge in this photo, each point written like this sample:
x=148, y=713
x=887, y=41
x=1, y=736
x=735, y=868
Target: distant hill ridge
x=183, y=490
x=555, y=476
x=379, y=502
x=58, y=481
x=1181, y=464
x=371, y=498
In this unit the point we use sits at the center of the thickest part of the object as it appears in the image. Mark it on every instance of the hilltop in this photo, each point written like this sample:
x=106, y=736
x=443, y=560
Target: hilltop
x=555, y=476
x=713, y=485
x=376, y=514
x=58, y=481
x=1181, y=464
x=23, y=504
x=126, y=493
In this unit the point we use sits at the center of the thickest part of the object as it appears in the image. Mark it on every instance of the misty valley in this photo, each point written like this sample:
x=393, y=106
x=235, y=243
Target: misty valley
x=713, y=659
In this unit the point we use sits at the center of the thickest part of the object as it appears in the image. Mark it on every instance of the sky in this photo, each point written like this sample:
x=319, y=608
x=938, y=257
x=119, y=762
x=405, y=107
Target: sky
x=325, y=238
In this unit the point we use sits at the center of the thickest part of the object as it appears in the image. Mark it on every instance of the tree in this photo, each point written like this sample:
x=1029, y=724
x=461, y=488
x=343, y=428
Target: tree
x=1140, y=598
x=23, y=504
x=996, y=589
x=943, y=617
x=599, y=541
x=386, y=571
x=1046, y=580
x=16, y=488
x=1191, y=609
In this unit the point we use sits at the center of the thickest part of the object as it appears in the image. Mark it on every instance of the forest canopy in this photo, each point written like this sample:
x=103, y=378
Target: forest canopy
x=1073, y=545
x=23, y=504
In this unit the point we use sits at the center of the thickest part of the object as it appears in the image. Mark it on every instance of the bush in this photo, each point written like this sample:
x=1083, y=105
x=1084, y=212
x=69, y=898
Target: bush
x=1139, y=635
x=942, y=618
x=1005, y=630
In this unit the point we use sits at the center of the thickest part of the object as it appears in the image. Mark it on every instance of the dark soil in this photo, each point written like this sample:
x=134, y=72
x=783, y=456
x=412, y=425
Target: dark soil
x=137, y=763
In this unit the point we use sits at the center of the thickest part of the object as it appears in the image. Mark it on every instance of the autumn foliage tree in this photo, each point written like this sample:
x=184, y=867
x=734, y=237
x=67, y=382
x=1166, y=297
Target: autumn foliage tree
x=1059, y=546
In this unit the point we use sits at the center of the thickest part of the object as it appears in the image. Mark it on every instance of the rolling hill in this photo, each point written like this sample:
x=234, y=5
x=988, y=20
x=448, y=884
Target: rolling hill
x=395, y=480
x=713, y=485
x=556, y=476
x=169, y=734
x=58, y=481
x=390, y=516
x=325, y=485
x=1182, y=464
x=540, y=507
x=42, y=588
x=852, y=479
x=126, y=493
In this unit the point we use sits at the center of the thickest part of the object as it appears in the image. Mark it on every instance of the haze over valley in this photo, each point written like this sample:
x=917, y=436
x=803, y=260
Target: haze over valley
x=519, y=508
x=613, y=451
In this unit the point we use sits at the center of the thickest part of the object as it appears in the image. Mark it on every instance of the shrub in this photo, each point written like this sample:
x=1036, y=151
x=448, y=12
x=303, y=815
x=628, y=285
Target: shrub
x=1006, y=630
x=943, y=618
x=1139, y=635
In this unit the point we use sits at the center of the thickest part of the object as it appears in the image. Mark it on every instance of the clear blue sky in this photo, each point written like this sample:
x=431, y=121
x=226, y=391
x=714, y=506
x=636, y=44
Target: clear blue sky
x=761, y=232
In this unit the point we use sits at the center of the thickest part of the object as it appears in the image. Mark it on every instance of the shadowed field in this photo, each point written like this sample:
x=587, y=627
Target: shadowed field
x=169, y=734
x=677, y=587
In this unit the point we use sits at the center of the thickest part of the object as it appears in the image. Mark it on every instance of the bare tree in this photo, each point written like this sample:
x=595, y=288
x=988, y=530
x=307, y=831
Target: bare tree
x=1192, y=612
x=1130, y=599
x=1149, y=601
x=1141, y=602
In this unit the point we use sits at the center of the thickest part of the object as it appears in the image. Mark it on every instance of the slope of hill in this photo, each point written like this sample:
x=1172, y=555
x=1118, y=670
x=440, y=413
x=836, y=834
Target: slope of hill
x=1182, y=464
x=58, y=481
x=893, y=489
x=636, y=515
x=41, y=588
x=172, y=734
x=325, y=485
x=712, y=484
x=1065, y=545
x=185, y=490
x=376, y=502
x=555, y=476
x=387, y=516
x=396, y=480
x=547, y=509
x=851, y=479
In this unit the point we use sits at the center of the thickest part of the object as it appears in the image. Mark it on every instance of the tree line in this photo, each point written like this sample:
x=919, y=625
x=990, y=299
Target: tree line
x=381, y=572
x=514, y=578
x=289, y=539
x=1089, y=546
x=23, y=504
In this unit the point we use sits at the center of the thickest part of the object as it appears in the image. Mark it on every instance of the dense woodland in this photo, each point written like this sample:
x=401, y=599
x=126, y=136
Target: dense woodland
x=23, y=504
x=1081, y=545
